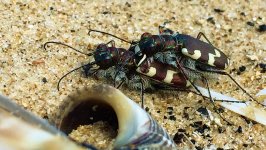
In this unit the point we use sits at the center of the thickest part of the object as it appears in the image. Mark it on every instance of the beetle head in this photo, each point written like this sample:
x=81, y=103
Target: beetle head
x=104, y=56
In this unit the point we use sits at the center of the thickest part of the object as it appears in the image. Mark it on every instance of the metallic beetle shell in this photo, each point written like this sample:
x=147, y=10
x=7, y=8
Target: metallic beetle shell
x=152, y=44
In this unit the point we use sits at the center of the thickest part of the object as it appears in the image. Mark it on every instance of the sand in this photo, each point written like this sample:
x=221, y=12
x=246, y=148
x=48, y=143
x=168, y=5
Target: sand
x=29, y=74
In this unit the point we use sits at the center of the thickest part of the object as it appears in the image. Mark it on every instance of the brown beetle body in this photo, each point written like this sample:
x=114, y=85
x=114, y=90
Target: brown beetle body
x=185, y=45
x=203, y=52
x=163, y=73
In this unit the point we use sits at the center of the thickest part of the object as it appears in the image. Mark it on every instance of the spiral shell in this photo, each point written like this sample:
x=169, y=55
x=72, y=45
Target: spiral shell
x=136, y=128
x=21, y=130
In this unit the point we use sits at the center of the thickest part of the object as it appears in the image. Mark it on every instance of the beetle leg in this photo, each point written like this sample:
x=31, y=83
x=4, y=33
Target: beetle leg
x=202, y=34
x=142, y=93
x=119, y=85
x=112, y=43
x=214, y=106
x=187, y=78
x=165, y=31
x=224, y=73
x=182, y=71
x=194, y=92
x=179, y=89
x=117, y=68
x=207, y=84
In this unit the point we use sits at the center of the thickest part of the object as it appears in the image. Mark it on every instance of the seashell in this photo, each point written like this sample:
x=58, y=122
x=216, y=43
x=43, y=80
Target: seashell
x=136, y=128
x=248, y=109
x=21, y=130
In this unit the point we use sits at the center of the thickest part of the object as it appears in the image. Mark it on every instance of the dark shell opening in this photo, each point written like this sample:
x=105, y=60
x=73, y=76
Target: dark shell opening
x=89, y=112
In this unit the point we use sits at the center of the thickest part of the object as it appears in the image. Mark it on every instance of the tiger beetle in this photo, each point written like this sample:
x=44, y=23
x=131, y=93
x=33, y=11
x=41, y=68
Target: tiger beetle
x=161, y=76
x=110, y=62
x=191, y=56
x=105, y=57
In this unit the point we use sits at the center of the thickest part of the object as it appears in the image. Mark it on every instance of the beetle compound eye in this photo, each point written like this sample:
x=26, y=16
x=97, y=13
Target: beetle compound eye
x=101, y=55
x=147, y=46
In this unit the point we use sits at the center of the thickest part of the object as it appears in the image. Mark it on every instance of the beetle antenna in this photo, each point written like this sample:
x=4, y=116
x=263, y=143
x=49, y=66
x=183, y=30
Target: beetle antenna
x=91, y=30
x=89, y=64
x=59, y=43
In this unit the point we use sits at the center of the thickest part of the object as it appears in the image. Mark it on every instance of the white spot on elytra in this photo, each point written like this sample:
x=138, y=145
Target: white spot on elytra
x=212, y=57
x=169, y=76
x=226, y=64
x=195, y=56
x=150, y=73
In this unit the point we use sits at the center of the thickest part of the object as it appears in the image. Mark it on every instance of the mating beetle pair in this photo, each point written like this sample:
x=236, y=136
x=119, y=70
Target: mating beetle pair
x=191, y=56
x=173, y=59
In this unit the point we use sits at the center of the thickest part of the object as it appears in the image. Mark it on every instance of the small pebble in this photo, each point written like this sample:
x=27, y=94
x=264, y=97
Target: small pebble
x=178, y=138
x=185, y=115
x=170, y=108
x=242, y=68
x=196, y=124
x=242, y=14
x=147, y=109
x=128, y=5
x=250, y=23
x=181, y=130
x=170, y=112
x=262, y=28
x=199, y=148
x=220, y=110
x=44, y=80
x=262, y=66
x=211, y=20
x=193, y=141
x=202, y=128
x=106, y=12
x=172, y=118
x=203, y=111
x=218, y=10
x=220, y=130
x=45, y=117
x=239, y=129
